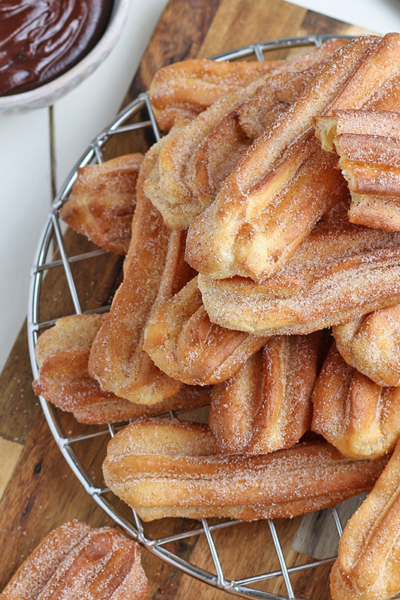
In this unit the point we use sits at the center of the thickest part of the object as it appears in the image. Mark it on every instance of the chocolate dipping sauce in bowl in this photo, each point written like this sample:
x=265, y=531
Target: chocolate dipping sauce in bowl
x=48, y=47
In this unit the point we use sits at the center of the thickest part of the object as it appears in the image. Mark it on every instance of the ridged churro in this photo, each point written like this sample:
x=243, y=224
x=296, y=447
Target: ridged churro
x=78, y=561
x=166, y=468
x=360, y=418
x=154, y=269
x=367, y=567
x=266, y=405
x=339, y=273
x=63, y=354
x=183, y=342
x=280, y=188
x=103, y=200
x=371, y=345
x=176, y=183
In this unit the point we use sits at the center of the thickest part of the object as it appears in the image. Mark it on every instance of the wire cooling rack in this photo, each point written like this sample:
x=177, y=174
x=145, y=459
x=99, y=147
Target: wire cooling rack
x=169, y=548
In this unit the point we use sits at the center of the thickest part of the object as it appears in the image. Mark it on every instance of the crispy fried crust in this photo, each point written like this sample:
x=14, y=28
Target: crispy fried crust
x=371, y=345
x=78, y=561
x=367, y=567
x=283, y=178
x=374, y=86
x=170, y=468
x=184, y=89
x=340, y=272
x=368, y=145
x=63, y=354
x=103, y=201
x=193, y=162
x=154, y=269
x=367, y=141
x=266, y=406
x=112, y=411
x=183, y=342
x=358, y=417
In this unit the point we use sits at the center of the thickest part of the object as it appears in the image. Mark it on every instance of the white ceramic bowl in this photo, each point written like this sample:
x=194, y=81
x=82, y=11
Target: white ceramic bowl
x=50, y=92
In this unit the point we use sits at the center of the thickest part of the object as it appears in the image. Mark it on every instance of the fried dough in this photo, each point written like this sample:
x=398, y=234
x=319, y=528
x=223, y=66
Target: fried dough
x=371, y=345
x=154, y=269
x=339, y=273
x=184, y=89
x=367, y=567
x=283, y=178
x=173, y=185
x=358, y=417
x=165, y=467
x=63, y=354
x=183, y=342
x=103, y=201
x=368, y=145
x=266, y=405
x=78, y=561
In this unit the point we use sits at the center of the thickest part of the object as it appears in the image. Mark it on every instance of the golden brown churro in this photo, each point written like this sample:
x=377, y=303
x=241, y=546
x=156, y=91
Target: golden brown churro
x=367, y=567
x=78, y=561
x=154, y=269
x=371, y=345
x=63, y=353
x=266, y=405
x=368, y=145
x=360, y=418
x=103, y=201
x=183, y=90
x=183, y=342
x=167, y=468
x=340, y=272
x=280, y=188
x=176, y=183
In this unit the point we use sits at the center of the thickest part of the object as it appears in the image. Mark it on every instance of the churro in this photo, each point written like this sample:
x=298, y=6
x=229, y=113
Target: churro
x=78, y=561
x=102, y=202
x=367, y=567
x=154, y=269
x=280, y=188
x=358, y=417
x=166, y=468
x=183, y=342
x=266, y=405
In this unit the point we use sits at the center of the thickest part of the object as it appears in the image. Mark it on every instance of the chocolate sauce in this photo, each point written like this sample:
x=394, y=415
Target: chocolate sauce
x=41, y=39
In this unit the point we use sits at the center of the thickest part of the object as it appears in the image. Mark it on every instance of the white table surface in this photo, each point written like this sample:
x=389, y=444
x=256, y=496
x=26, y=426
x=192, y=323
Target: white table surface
x=25, y=158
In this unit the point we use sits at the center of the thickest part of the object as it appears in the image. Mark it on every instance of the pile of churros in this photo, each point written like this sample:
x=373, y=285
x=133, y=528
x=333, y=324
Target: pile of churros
x=268, y=213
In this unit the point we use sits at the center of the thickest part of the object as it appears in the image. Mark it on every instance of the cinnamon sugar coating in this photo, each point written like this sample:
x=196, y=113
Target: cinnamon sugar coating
x=367, y=567
x=63, y=354
x=103, y=201
x=193, y=161
x=340, y=272
x=78, y=561
x=183, y=342
x=166, y=467
x=371, y=345
x=154, y=269
x=280, y=188
x=183, y=90
x=360, y=418
x=367, y=140
x=266, y=405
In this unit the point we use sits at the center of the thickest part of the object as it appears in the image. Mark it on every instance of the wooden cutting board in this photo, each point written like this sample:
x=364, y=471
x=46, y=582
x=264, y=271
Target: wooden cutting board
x=38, y=490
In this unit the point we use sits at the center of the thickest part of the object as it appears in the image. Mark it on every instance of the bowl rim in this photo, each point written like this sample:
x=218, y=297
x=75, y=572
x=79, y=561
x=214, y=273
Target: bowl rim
x=62, y=83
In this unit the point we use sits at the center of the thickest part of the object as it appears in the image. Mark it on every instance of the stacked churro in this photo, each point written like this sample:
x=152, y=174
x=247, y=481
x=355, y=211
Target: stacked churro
x=286, y=177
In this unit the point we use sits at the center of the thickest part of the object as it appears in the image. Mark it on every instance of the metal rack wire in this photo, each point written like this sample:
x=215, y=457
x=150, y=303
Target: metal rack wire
x=43, y=263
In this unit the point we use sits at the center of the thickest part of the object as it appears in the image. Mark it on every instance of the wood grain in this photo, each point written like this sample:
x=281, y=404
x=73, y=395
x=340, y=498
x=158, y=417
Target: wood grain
x=42, y=492
x=10, y=453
